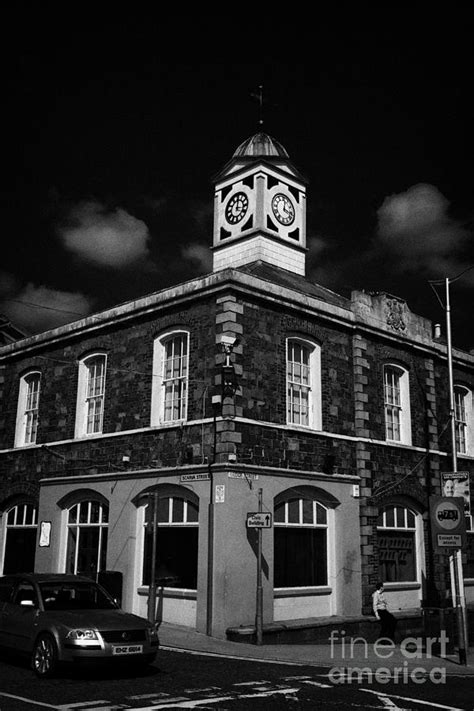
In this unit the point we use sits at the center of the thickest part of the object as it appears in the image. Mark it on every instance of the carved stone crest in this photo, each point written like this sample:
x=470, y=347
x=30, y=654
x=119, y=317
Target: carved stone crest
x=395, y=313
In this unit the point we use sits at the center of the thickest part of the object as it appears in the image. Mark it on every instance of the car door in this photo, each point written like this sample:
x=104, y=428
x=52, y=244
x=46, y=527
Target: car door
x=6, y=591
x=20, y=616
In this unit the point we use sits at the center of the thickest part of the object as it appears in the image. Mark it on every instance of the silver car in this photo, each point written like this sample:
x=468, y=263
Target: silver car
x=57, y=618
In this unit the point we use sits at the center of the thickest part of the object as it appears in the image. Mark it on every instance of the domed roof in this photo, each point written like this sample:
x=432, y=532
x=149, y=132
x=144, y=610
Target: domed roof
x=260, y=144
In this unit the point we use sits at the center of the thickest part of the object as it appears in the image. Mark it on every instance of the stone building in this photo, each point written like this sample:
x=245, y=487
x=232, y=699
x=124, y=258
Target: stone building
x=164, y=423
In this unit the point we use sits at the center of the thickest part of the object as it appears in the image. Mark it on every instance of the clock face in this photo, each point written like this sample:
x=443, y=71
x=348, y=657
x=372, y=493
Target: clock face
x=236, y=208
x=283, y=209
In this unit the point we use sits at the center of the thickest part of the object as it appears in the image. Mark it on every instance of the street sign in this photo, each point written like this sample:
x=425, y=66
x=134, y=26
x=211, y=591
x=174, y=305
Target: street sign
x=448, y=525
x=457, y=484
x=242, y=475
x=259, y=520
x=195, y=477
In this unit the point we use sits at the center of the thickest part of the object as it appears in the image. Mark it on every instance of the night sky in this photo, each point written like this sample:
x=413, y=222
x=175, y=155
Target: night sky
x=116, y=127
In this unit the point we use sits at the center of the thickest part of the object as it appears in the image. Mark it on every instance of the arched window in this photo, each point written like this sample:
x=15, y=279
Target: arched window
x=170, y=378
x=397, y=404
x=21, y=522
x=303, y=380
x=397, y=530
x=463, y=419
x=300, y=543
x=87, y=528
x=91, y=395
x=27, y=411
x=176, y=559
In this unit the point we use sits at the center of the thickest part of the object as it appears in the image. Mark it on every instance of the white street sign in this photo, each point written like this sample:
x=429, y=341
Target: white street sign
x=259, y=520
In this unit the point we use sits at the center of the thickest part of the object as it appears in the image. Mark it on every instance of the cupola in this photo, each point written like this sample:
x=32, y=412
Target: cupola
x=260, y=208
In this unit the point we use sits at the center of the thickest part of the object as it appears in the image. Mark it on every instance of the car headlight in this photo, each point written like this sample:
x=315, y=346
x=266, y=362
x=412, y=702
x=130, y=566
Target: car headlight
x=82, y=635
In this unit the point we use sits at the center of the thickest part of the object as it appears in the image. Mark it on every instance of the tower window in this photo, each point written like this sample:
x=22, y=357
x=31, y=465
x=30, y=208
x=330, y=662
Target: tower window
x=91, y=395
x=397, y=404
x=463, y=419
x=170, y=378
x=28, y=408
x=303, y=383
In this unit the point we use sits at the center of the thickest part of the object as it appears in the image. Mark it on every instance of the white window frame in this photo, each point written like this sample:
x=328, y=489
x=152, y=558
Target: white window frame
x=87, y=402
x=28, y=408
x=318, y=512
x=397, y=415
x=161, y=382
x=165, y=522
x=463, y=408
x=24, y=515
x=416, y=529
x=308, y=384
x=79, y=526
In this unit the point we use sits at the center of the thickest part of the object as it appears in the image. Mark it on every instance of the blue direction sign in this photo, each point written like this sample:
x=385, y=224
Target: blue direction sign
x=259, y=520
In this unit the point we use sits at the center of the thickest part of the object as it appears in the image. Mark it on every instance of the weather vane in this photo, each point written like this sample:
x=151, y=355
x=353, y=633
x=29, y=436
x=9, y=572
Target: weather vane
x=259, y=97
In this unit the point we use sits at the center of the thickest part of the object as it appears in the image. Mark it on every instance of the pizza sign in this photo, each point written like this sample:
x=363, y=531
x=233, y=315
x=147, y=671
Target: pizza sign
x=448, y=524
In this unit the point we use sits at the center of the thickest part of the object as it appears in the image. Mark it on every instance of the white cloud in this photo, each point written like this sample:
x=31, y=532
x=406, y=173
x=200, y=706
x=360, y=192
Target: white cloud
x=416, y=228
x=200, y=255
x=107, y=238
x=39, y=308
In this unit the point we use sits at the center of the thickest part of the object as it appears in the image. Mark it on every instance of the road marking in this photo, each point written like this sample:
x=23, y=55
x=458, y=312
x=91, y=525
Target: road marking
x=29, y=701
x=417, y=701
x=389, y=704
x=318, y=683
x=82, y=704
x=251, y=683
x=190, y=704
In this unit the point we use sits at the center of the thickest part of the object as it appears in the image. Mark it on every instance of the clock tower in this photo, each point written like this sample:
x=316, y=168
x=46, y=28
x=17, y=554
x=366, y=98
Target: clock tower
x=259, y=208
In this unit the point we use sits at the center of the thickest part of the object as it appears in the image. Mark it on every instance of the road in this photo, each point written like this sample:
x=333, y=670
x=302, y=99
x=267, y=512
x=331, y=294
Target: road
x=180, y=680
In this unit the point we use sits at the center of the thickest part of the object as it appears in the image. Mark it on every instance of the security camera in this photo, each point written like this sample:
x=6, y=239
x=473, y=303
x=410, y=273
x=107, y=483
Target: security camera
x=229, y=341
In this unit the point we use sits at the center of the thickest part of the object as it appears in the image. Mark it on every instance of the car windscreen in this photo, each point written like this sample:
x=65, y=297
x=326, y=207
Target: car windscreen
x=75, y=596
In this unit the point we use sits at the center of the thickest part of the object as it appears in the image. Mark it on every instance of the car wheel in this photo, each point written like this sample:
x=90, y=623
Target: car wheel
x=45, y=656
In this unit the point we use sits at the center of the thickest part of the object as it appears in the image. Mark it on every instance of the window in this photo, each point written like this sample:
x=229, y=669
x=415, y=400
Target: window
x=170, y=378
x=396, y=535
x=463, y=419
x=91, y=395
x=27, y=412
x=397, y=405
x=303, y=367
x=300, y=541
x=20, y=539
x=468, y=567
x=87, y=528
x=176, y=543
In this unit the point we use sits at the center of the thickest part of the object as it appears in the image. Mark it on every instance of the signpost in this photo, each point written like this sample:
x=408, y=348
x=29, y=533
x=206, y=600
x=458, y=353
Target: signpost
x=448, y=523
x=259, y=520
x=448, y=530
x=457, y=484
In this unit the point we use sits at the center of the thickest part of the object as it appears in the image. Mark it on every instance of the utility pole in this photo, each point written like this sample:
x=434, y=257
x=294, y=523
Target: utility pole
x=259, y=606
x=455, y=559
x=153, y=521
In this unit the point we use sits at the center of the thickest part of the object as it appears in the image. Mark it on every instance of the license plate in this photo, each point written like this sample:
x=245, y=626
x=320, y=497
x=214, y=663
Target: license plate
x=128, y=649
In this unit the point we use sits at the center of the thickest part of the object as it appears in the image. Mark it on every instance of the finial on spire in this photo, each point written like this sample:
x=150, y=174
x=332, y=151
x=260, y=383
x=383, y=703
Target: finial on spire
x=259, y=97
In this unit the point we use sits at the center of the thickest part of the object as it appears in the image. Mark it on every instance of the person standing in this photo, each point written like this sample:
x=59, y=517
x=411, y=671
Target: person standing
x=387, y=620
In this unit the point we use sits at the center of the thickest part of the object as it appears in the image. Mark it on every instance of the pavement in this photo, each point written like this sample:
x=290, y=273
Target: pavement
x=347, y=655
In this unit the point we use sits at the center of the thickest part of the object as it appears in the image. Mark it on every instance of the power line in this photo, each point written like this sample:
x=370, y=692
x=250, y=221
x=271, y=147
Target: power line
x=42, y=306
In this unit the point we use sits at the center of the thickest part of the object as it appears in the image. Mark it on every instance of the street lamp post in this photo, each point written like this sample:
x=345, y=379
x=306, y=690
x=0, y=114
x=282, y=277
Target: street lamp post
x=455, y=562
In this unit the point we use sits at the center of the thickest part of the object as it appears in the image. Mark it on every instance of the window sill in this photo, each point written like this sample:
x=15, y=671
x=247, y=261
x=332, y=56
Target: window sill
x=397, y=443
x=402, y=586
x=299, y=592
x=182, y=593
